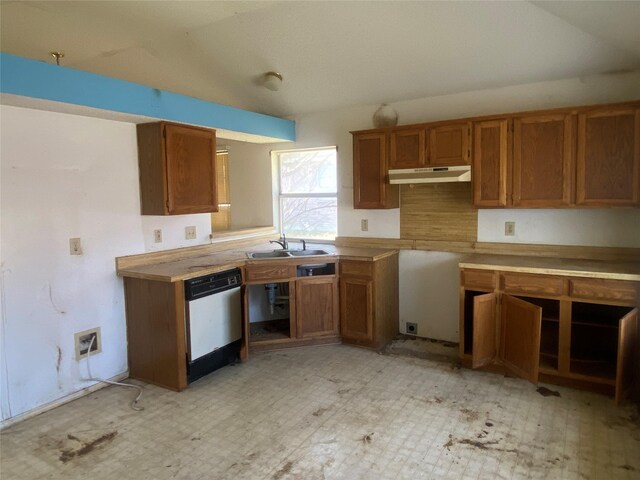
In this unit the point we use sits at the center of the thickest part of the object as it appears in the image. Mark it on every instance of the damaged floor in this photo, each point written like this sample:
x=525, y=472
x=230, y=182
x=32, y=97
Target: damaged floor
x=332, y=412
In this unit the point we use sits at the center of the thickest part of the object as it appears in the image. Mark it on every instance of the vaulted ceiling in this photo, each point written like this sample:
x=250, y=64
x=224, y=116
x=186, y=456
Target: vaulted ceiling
x=331, y=54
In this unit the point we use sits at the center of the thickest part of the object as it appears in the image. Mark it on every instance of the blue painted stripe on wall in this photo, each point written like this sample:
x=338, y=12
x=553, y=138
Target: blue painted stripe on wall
x=30, y=78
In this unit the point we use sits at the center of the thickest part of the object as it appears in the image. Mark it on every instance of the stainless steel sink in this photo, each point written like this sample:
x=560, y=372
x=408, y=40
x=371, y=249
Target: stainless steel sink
x=287, y=253
x=307, y=253
x=273, y=254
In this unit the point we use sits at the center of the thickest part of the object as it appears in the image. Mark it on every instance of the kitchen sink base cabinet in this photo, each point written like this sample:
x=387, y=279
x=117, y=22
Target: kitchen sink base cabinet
x=572, y=331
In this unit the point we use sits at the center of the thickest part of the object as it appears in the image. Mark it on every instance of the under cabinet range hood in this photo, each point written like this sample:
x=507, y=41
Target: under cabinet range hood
x=431, y=175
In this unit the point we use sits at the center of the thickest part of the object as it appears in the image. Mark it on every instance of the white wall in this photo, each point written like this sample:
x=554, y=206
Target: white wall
x=66, y=176
x=610, y=227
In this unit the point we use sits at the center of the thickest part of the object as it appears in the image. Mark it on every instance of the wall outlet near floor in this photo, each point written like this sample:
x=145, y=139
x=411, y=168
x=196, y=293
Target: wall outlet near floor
x=364, y=225
x=75, y=246
x=509, y=229
x=411, y=328
x=157, y=236
x=83, y=340
x=190, y=233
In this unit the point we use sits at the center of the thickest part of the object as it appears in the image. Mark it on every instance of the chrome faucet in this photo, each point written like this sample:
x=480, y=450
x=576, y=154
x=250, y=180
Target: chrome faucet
x=282, y=242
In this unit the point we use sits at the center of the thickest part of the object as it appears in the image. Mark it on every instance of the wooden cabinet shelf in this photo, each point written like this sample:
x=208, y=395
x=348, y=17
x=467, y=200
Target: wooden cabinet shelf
x=566, y=338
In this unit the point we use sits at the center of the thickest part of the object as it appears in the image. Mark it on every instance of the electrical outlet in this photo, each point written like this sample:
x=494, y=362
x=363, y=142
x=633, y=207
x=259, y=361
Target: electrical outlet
x=364, y=225
x=412, y=328
x=157, y=236
x=509, y=229
x=75, y=246
x=190, y=233
x=83, y=340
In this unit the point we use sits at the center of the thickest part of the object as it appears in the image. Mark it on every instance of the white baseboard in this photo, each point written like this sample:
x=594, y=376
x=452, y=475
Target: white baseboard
x=61, y=401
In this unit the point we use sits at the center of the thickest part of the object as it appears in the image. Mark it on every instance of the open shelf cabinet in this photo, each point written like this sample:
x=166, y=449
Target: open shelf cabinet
x=544, y=327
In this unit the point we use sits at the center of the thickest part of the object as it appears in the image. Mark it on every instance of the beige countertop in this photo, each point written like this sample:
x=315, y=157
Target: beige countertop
x=554, y=266
x=204, y=264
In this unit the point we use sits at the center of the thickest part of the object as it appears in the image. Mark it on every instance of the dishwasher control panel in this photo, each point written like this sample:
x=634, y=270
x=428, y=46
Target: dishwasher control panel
x=213, y=283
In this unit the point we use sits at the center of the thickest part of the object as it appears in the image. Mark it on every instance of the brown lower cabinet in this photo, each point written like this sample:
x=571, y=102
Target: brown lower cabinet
x=317, y=306
x=353, y=301
x=567, y=330
x=369, y=301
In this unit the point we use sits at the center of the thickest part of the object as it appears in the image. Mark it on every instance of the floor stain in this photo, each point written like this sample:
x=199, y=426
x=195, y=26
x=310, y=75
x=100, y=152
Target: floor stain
x=367, y=438
x=477, y=444
x=319, y=412
x=470, y=415
x=343, y=391
x=486, y=445
x=627, y=467
x=545, y=392
x=70, y=453
x=286, y=468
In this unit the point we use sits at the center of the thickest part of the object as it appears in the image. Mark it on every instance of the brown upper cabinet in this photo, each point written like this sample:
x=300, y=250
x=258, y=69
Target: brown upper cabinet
x=490, y=156
x=450, y=145
x=560, y=158
x=442, y=145
x=608, y=162
x=584, y=157
x=370, y=165
x=543, y=151
x=177, y=169
x=408, y=148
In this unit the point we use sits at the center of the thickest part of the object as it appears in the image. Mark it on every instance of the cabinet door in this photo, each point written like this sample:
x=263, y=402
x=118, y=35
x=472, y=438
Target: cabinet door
x=450, y=145
x=626, y=363
x=490, y=153
x=370, y=187
x=520, y=348
x=317, y=306
x=543, y=160
x=608, y=161
x=356, y=309
x=407, y=148
x=484, y=330
x=191, y=169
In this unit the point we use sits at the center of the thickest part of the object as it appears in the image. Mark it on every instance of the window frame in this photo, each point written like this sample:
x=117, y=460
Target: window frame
x=281, y=196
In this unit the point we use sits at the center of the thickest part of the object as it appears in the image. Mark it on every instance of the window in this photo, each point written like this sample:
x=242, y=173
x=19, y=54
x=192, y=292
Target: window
x=308, y=193
x=221, y=220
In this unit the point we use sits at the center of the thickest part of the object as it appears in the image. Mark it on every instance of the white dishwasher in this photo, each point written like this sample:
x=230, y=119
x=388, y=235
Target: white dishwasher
x=213, y=322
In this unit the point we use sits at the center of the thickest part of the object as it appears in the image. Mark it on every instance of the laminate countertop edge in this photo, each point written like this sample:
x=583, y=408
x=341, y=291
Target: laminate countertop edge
x=197, y=266
x=555, y=266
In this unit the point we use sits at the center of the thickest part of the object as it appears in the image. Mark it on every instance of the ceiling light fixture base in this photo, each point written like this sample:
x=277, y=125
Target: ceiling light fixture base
x=272, y=81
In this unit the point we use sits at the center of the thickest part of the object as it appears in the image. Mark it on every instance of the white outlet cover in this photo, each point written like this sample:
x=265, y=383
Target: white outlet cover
x=190, y=233
x=157, y=236
x=75, y=246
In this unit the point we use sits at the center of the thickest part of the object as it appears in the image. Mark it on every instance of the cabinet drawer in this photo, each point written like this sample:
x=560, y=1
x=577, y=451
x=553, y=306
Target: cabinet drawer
x=484, y=279
x=600, y=289
x=532, y=284
x=270, y=272
x=357, y=269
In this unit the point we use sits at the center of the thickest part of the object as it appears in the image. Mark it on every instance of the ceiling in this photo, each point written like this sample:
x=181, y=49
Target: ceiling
x=331, y=54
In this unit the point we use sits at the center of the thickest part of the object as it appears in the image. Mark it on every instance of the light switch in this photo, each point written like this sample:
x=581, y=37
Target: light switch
x=75, y=246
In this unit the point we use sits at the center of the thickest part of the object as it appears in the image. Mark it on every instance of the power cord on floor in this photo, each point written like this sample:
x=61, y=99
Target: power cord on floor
x=134, y=404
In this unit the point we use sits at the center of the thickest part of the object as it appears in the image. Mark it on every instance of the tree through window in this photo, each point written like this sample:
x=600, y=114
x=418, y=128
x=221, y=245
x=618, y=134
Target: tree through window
x=308, y=193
